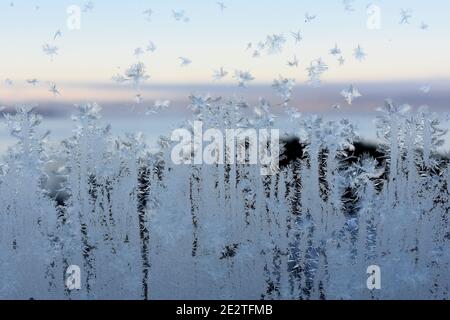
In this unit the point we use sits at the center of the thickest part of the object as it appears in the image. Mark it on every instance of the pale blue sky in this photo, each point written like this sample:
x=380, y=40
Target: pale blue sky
x=110, y=33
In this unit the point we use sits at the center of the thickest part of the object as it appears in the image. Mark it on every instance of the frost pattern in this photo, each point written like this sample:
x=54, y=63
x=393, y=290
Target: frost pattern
x=141, y=227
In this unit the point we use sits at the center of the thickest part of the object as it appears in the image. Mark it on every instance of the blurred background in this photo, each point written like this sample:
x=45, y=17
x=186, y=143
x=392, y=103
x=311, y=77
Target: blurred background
x=407, y=62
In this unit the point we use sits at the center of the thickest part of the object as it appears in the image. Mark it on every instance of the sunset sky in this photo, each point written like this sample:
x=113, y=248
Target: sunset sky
x=111, y=32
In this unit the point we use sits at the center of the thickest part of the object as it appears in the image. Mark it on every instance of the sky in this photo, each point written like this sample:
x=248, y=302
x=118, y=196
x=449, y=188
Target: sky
x=111, y=32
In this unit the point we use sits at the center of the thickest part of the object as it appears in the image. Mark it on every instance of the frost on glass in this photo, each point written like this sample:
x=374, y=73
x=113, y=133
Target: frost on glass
x=141, y=227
